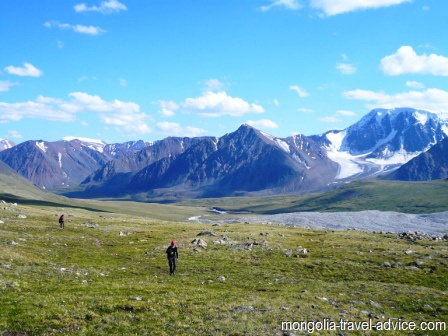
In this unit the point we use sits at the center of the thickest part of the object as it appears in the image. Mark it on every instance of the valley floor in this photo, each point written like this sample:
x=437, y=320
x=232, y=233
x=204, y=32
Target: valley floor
x=369, y=220
x=107, y=274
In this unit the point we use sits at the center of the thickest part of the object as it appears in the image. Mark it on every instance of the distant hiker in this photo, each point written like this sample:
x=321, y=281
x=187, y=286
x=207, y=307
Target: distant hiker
x=61, y=221
x=172, y=255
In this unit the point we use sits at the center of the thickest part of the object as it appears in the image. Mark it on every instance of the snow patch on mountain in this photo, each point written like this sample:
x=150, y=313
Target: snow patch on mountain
x=445, y=129
x=5, y=144
x=349, y=165
x=282, y=145
x=336, y=138
x=270, y=137
x=95, y=144
x=41, y=145
x=377, y=143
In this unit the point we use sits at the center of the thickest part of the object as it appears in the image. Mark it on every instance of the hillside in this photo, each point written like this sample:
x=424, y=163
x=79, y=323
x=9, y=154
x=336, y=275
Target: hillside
x=430, y=165
x=13, y=185
x=245, y=162
x=406, y=197
x=107, y=274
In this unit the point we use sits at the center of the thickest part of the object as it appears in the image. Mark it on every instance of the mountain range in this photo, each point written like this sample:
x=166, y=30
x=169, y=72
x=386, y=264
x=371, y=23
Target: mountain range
x=65, y=163
x=401, y=143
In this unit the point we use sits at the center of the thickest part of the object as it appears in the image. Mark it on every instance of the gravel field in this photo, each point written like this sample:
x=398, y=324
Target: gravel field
x=371, y=220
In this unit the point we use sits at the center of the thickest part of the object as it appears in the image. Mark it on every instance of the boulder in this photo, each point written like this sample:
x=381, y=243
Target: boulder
x=199, y=242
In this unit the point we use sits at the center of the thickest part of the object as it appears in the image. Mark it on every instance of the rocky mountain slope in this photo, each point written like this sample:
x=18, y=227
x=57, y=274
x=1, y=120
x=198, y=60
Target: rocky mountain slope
x=382, y=141
x=113, y=177
x=65, y=163
x=246, y=161
x=430, y=165
x=14, y=185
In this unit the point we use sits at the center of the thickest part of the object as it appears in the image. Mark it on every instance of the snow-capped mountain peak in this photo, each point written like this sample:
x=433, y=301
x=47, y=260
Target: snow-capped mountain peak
x=97, y=145
x=5, y=144
x=383, y=139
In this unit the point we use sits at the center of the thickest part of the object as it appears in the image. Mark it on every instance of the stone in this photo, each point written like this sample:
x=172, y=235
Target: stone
x=416, y=263
x=385, y=264
x=302, y=250
x=375, y=304
x=207, y=233
x=243, y=309
x=243, y=246
x=199, y=242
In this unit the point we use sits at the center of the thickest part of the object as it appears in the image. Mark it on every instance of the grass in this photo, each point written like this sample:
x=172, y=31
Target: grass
x=96, y=281
x=407, y=197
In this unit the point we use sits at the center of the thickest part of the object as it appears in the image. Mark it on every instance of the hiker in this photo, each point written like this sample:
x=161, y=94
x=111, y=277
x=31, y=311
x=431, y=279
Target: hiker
x=61, y=221
x=172, y=255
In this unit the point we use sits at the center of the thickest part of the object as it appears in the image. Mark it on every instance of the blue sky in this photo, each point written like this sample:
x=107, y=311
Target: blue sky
x=121, y=70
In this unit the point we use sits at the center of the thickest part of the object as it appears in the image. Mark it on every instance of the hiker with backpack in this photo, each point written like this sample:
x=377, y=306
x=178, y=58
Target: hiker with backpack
x=172, y=255
x=61, y=221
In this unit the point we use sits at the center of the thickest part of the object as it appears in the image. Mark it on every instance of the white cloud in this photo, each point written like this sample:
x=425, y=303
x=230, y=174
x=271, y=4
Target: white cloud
x=27, y=70
x=335, y=7
x=345, y=113
x=32, y=109
x=262, y=124
x=276, y=103
x=132, y=123
x=168, y=108
x=60, y=44
x=331, y=119
x=126, y=115
x=216, y=104
x=90, y=30
x=83, y=101
x=15, y=134
x=170, y=128
x=345, y=68
x=6, y=85
x=213, y=85
x=106, y=7
x=286, y=4
x=300, y=91
x=305, y=110
x=415, y=85
x=434, y=100
x=406, y=61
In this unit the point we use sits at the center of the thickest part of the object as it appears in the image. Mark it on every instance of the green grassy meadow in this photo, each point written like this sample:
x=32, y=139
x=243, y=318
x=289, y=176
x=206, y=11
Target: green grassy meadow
x=113, y=279
x=407, y=197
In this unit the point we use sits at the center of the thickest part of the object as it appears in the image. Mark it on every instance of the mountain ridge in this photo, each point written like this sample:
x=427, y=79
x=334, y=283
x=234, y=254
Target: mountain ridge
x=247, y=161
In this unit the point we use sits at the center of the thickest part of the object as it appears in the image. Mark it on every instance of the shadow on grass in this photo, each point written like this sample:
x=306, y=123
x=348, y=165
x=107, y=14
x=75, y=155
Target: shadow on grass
x=15, y=199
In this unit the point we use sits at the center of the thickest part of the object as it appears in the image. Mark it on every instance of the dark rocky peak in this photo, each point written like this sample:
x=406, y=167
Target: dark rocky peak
x=430, y=165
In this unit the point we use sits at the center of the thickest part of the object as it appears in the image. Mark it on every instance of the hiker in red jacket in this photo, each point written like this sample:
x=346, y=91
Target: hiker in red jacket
x=172, y=255
x=61, y=221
